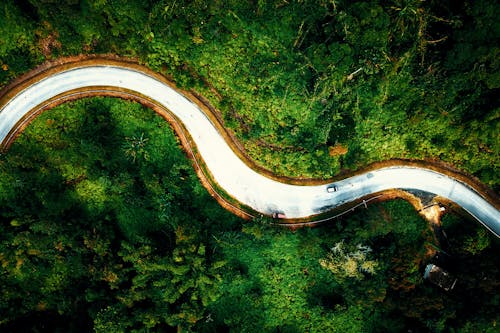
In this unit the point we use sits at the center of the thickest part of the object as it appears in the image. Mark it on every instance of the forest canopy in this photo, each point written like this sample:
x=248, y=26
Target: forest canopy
x=104, y=225
x=98, y=235
x=331, y=85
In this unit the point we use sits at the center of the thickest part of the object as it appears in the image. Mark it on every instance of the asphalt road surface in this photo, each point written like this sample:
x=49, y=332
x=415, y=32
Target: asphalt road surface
x=228, y=170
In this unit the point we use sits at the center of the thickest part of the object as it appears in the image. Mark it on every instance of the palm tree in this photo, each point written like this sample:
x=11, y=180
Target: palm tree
x=135, y=147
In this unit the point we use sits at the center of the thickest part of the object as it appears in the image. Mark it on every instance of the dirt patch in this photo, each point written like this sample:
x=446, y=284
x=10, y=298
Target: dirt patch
x=337, y=150
x=48, y=40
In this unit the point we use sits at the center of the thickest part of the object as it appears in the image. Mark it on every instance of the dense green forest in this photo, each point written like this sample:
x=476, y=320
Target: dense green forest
x=309, y=86
x=104, y=225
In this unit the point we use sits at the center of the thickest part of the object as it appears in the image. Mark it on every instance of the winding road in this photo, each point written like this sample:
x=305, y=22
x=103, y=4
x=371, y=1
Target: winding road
x=227, y=169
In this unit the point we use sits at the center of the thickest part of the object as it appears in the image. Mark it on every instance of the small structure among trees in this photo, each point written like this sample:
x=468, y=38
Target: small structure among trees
x=439, y=277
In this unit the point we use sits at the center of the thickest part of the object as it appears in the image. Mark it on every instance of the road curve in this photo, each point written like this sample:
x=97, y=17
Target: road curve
x=226, y=167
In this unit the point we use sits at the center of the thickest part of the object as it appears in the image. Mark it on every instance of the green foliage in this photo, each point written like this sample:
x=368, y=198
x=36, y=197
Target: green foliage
x=85, y=230
x=88, y=237
x=384, y=79
x=135, y=147
x=478, y=242
x=275, y=283
x=473, y=241
x=348, y=264
x=104, y=225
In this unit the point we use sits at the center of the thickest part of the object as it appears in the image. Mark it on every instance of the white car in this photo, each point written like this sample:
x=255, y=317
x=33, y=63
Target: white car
x=332, y=188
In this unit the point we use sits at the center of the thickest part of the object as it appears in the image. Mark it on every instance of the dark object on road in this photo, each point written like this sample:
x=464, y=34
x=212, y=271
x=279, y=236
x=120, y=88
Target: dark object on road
x=439, y=277
x=279, y=215
x=332, y=188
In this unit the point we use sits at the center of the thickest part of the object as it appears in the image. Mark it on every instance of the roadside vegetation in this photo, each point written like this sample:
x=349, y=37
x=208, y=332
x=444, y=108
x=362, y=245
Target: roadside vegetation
x=104, y=225
x=309, y=87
